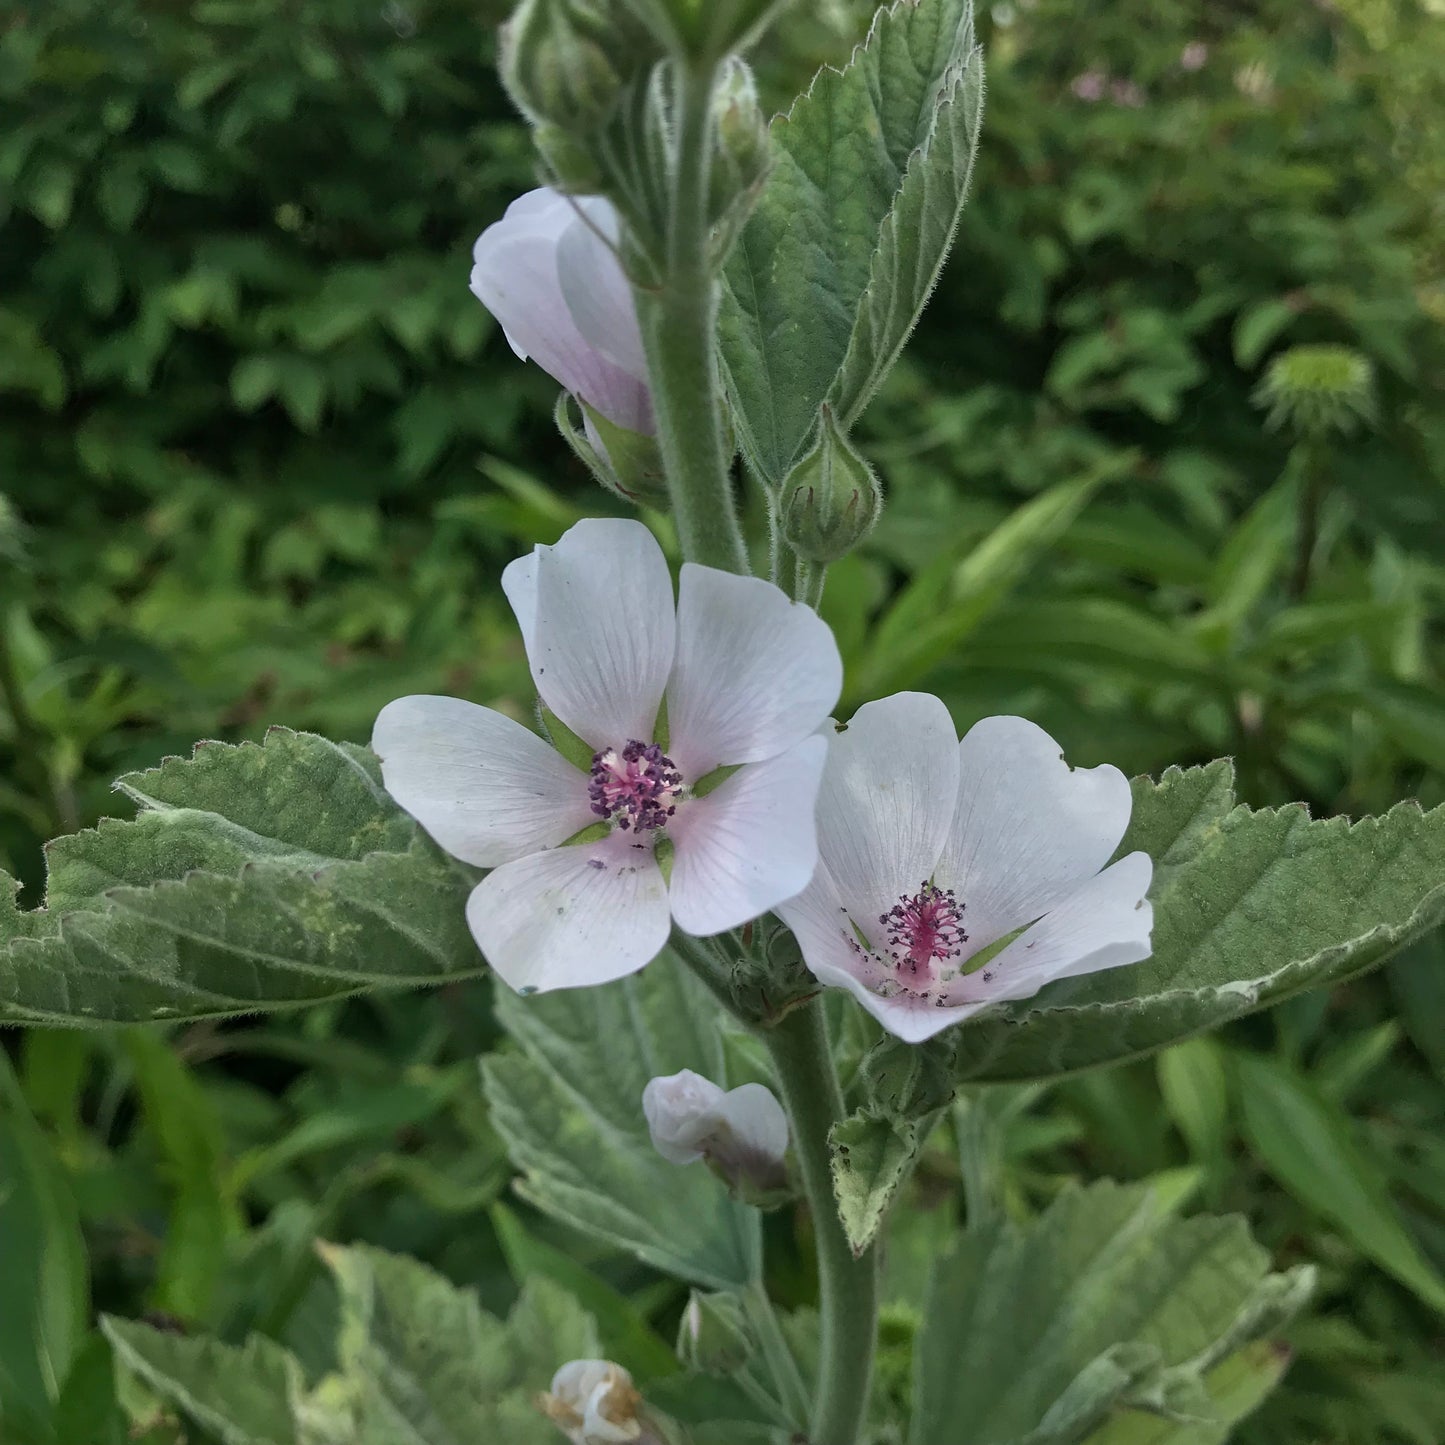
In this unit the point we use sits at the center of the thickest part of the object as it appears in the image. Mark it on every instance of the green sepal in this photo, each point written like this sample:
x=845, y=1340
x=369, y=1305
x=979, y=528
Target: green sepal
x=577, y=751
x=711, y=782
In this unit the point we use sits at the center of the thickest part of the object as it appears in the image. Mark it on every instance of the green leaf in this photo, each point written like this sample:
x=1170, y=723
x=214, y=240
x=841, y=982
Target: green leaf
x=872, y=1154
x=568, y=1103
x=1104, y=1302
x=869, y=173
x=417, y=1360
x=257, y=877
x=42, y=1266
x=1250, y=907
x=244, y=1395
x=1307, y=1142
x=630, y=1340
x=1235, y=1388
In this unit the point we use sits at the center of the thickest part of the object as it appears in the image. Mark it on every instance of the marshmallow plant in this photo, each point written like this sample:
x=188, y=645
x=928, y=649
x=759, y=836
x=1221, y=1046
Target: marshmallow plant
x=729, y=918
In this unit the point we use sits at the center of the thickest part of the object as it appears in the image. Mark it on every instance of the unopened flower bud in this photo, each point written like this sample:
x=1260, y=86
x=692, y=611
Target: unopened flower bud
x=628, y=463
x=742, y=136
x=593, y=1402
x=1316, y=390
x=742, y=1133
x=553, y=71
x=831, y=499
x=713, y=1336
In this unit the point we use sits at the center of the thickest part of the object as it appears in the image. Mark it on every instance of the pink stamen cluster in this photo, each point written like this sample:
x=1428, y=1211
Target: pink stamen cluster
x=924, y=930
x=637, y=787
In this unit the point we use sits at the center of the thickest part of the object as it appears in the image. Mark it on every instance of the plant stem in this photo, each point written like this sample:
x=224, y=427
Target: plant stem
x=847, y=1287
x=679, y=333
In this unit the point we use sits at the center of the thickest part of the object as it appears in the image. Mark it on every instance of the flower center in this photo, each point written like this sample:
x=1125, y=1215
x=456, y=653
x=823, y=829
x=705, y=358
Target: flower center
x=636, y=788
x=924, y=931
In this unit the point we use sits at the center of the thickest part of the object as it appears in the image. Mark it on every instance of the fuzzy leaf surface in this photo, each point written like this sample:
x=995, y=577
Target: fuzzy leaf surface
x=1105, y=1302
x=255, y=877
x=870, y=170
x=1250, y=907
x=568, y=1102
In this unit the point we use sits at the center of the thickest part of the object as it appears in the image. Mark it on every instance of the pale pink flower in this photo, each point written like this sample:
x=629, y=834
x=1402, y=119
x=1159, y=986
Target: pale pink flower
x=1129, y=93
x=748, y=677
x=742, y=1133
x=932, y=851
x=549, y=273
x=1194, y=56
x=1090, y=85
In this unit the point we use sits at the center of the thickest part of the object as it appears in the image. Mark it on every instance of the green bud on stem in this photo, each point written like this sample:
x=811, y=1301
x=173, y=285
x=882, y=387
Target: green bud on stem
x=554, y=71
x=831, y=500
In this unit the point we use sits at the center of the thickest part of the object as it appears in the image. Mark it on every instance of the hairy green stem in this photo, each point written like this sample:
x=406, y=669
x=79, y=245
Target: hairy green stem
x=847, y=1287
x=679, y=332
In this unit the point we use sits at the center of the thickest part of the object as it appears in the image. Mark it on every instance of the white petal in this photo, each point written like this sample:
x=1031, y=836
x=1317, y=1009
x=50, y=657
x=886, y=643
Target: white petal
x=682, y=1113
x=757, y=1121
x=754, y=673
x=749, y=845
x=515, y=276
x=571, y=917
x=596, y=288
x=1105, y=923
x=1028, y=829
x=482, y=785
x=597, y=617
x=887, y=801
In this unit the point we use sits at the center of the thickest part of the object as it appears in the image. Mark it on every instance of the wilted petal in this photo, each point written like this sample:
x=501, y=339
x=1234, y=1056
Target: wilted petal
x=1028, y=828
x=572, y=917
x=754, y=672
x=482, y=785
x=749, y=845
x=594, y=1403
x=598, y=621
x=887, y=801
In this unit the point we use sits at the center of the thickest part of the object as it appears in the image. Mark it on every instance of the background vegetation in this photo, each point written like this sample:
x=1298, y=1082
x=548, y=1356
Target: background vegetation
x=263, y=458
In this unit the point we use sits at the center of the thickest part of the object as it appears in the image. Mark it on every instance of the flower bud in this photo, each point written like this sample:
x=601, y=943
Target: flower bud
x=831, y=499
x=742, y=1134
x=549, y=272
x=713, y=1336
x=553, y=71
x=910, y=1080
x=742, y=137
x=593, y=1402
x=626, y=462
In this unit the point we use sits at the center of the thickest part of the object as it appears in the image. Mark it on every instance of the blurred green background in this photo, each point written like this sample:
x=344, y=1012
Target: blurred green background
x=1166, y=472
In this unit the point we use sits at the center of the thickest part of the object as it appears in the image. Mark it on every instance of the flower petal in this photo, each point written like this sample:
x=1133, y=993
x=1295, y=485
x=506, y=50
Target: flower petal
x=757, y=1120
x=596, y=289
x=484, y=787
x=1105, y=923
x=571, y=917
x=597, y=618
x=682, y=1114
x=887, y=801
x=1029, y=829
x=749, y=845
x=754, y=672
x=515, y=276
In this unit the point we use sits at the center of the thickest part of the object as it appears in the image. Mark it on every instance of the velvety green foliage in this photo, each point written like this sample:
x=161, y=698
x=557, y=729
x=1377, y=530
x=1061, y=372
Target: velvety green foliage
x=870, y=170
x=256, y=877
x=416, y=1360
x=871, y=1157
x=1249, y=908
x=1104, y=1301
x=568, y=1101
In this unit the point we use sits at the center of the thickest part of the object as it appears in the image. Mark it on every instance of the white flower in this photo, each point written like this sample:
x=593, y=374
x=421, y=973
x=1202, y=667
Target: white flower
x=548, y=273
x=594, y=1403
x=748, y=678
x=934, y=852
x=743, y=1133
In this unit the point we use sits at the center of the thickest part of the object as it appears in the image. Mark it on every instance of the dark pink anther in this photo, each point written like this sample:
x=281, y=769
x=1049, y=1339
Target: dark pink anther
x=924, y=931
x=636, y=788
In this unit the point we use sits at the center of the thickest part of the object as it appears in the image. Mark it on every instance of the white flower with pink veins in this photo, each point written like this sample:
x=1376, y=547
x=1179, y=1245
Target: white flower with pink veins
x=954, y=875
x=729, y=780
x=548, y=272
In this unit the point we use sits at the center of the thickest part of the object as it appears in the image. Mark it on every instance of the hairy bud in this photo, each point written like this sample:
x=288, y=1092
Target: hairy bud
x=713, y=1336
x=831, y=499
x=742, y=137
x=555, y=72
